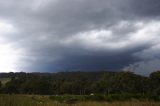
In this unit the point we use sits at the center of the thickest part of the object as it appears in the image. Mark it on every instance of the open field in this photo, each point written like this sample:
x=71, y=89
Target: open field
x=30, y=100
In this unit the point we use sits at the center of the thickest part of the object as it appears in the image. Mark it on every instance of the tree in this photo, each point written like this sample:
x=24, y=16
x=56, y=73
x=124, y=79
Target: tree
x=155, y=82
x=11, y=87
x=82, y=84
x=105, y=84
x=125, y=82
x=155, y=77
x=121, y=82
x=0, y=84
x=67, y=87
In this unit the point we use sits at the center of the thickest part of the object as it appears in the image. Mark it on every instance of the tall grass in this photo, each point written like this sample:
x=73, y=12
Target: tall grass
x=30, y=100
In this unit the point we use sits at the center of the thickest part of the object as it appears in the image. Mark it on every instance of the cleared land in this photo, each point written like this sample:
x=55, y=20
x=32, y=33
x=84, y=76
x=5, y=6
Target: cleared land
x=32, y=100
x=5, y=80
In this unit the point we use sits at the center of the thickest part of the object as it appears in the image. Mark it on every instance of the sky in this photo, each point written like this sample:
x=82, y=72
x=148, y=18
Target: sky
x=80, y=35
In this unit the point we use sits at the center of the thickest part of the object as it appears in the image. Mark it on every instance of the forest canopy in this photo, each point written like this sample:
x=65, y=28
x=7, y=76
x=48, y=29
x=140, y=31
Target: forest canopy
x=80, y=83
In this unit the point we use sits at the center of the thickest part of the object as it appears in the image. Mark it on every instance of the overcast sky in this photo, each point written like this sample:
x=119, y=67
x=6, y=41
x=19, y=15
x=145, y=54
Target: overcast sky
x=61, y=35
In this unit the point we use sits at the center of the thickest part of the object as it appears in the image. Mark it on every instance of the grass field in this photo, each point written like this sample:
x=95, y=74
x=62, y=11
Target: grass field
x=30, y=100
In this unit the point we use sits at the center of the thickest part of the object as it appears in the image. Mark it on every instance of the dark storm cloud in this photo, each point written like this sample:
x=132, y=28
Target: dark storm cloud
x=88, y=62
x=146, y=7
x=80, y=34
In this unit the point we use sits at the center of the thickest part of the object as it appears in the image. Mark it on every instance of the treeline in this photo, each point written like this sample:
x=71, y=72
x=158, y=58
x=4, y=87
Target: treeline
x=80, y=83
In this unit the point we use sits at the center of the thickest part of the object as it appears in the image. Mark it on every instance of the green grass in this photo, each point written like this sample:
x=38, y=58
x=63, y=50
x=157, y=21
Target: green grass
x=35, y=100
x=25, y=100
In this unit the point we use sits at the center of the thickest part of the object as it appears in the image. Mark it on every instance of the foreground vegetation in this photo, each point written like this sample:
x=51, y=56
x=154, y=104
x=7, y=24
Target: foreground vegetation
x=33, y=100
x=79, y=89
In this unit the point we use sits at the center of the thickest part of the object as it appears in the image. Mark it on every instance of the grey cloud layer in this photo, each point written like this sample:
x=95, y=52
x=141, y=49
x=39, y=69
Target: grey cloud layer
x=81, y=34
